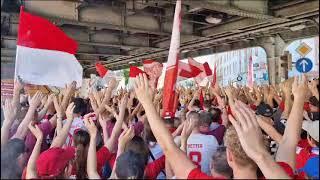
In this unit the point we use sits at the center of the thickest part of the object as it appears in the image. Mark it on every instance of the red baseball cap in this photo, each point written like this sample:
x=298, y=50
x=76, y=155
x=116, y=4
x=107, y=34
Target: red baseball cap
x=54, y=160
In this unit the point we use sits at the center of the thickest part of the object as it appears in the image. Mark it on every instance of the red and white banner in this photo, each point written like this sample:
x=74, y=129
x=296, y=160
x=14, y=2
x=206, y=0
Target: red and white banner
x=172, y=65
x=45, y=54
x=153, y=70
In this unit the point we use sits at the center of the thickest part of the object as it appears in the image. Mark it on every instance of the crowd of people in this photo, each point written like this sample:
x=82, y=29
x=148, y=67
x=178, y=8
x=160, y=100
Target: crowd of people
x=269, y=131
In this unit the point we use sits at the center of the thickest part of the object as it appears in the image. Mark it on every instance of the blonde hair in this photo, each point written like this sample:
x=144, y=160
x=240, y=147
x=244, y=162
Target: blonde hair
x=232, y=142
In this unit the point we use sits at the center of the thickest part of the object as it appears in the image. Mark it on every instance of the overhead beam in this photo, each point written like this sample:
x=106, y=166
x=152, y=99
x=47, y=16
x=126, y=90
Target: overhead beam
x=13, y=51
x=232, y=10
x=12, y=59
x=123, y=46
x=14, y=18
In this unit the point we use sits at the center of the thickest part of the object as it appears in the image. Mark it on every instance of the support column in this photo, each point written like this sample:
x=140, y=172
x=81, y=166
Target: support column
x=268, y=44
x=279, y=51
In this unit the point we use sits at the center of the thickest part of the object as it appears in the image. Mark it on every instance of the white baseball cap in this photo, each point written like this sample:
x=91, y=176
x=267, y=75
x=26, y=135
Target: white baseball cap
x=312, y=127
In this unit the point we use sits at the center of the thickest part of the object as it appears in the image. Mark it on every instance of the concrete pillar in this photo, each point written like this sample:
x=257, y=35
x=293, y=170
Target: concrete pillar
x=268, y=44
x=279, y=51
x=274, y=47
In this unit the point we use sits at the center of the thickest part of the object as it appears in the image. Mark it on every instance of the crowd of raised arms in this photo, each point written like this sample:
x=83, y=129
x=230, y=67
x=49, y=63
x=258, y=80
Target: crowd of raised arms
x=235, y=132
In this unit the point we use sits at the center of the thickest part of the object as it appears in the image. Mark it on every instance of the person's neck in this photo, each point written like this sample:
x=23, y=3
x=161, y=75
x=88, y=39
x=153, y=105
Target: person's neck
x=195, y=131
x=245, y=173
x=76, y=115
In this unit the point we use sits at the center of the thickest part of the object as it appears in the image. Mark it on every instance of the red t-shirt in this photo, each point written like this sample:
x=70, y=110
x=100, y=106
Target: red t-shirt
x=197, y=174
x=306, y=106
x=154, y=168
x=103, y=155
x=303, y=156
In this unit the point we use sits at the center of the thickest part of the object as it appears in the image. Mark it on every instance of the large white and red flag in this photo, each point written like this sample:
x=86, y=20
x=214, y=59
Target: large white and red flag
x=205, y=71
x=45, y=54
x=153, y=69
x=172, y=65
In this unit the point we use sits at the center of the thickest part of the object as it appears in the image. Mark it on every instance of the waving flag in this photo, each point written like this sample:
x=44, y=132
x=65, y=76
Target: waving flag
x=172, y=65
x=45, y=54
x=205, y=71
x=186, y=71
x=133, y=73
x=101, y=69
x=153, y=70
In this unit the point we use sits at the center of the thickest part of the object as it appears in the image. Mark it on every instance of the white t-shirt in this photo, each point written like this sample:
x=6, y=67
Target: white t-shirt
x=200, y=150
x=77, y=123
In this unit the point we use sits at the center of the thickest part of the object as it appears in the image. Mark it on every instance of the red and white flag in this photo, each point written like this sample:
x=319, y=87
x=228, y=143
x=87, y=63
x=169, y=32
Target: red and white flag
x=45, y=54
x=153, y=70
x=133, y=73
x=172, y=65
x=186, y=71
x=214, y=78
x=205, y=71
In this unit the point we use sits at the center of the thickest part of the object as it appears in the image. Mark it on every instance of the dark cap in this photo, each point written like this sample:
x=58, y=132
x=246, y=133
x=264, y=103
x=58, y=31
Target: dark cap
x=264, y=110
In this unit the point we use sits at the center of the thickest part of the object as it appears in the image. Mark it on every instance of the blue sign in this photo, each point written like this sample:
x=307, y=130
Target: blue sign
x=304, y=65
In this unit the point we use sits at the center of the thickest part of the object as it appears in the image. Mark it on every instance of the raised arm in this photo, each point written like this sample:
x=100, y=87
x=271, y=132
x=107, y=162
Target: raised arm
x=313, y=88
x=269, y=129
x=195, y=96
x=117, y=127
x=92, y=156
x=61, y=137
x=18, y=86
x=107, y=96
x=44, y=110
x=23, y=127
x=31, y=166
x=250, y=136
x=178, y=160
x=9, y=112
x=287, y=147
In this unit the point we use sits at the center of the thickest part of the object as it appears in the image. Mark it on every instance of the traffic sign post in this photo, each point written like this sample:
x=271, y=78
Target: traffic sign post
x=304, y=65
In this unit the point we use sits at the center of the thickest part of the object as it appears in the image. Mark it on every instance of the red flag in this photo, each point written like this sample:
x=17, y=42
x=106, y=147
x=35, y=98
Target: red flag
x=172, y=65
x=134, y=72
x=101, y=69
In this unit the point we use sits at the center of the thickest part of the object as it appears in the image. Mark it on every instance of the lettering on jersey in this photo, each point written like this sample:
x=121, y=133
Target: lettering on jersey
x=194, y=145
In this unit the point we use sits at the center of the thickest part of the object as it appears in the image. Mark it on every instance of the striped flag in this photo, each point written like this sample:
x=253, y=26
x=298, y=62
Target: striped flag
x=172, y=65
x=45, y=54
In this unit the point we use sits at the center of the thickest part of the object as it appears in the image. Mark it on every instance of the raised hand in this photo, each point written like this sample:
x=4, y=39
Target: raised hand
x=187, y=129
x=112, y=83
x=248, y=130
x=18, y=85
x=69, y=111
x=142, y=90
x=300, y=88
x=89, y=124
x=57, y=106
x=9, y=110
x=36, y=100
x=35, y=130
x=125, y=137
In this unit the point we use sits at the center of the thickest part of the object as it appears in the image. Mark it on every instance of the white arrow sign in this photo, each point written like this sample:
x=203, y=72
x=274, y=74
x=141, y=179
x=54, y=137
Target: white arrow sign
x=304, y=63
